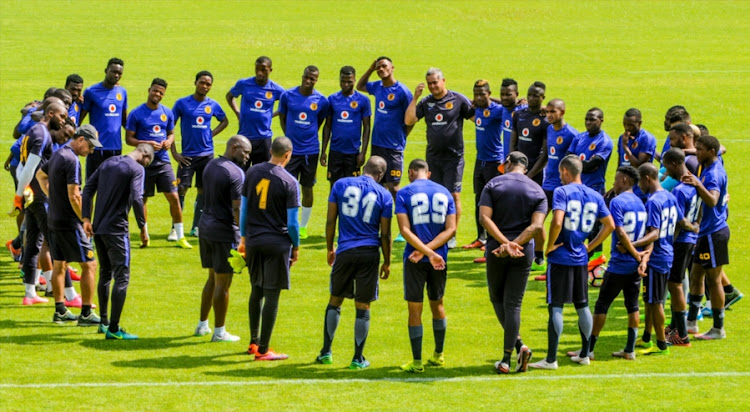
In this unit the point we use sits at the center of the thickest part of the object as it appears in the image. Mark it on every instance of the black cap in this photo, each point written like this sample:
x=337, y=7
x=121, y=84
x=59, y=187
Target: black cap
x=89, y=133
x=517, y=158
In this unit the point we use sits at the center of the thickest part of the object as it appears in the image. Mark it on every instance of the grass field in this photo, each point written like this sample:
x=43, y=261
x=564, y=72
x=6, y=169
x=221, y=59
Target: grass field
x=614, y=55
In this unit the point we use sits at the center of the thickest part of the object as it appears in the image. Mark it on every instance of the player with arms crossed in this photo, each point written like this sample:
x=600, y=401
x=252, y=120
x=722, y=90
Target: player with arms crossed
x=575, y=209
x=426, y=217
x=270, y=233
x=363, y=209
x=512, y=208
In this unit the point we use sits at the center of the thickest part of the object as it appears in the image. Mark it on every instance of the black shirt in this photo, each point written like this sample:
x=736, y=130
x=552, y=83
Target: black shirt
x=222, y=183
x=118, y=185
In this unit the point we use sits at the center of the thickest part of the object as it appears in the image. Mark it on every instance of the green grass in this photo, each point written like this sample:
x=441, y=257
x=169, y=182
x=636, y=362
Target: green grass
x=614, y=55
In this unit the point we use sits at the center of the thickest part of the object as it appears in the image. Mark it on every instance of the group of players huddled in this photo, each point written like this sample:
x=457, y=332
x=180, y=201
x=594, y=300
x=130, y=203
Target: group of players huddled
x=666, y=221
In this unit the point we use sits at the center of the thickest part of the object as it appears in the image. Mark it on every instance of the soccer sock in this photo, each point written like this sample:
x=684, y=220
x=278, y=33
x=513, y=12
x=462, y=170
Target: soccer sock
x=270, y=309
x=330, y=323
x=718, y=318
x=632, y=336
x=646, y=337
x=60, y=308
x=539, y=256
x=104, y=320
x=415, y=336
x=592, y=343
x=198, y=209
x=306, y=212
x=679, y=320
x=438, y=330
x=361, y=329
x=519, y=344
x=203, y=323
x=29, y=290
x=219, y=330
x=180, y=229
x=48, y=277
x=694, y=306
x=661, y=344
x=70, y=293
x=728, y=288
x=585, y=324
x=554, y=330
x=506, y=357
x=254, y=307
x=85, y=310
x=68, y=280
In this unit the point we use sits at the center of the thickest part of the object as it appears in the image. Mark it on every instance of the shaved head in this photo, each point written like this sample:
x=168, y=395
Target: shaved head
x=375, y=166
x=55, y=107
x=280, y=146
x=557, y=103
x=648, y=169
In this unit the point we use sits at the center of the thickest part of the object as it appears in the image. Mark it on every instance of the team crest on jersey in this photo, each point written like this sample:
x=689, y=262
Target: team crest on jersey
x=163, y=117
x=75, y=108
x=199, y=120
x=353, y=105
x=525, y=131
x=381, y=104
x=479, y=121
x=507, y=123
x=344, y=114
x=258, y=104
x=90, y=254
x=207, y=109
x=592, y=146
x=118, y=96
x=559, y=140
x=391, y=96
x=635, y=145
x=552, y=150
x=313, y=106
x=112, y=108
x=449, y=105
x=303, y=116
x=269, y=95
x=439, y=117
x=486, y=113
x=156, y=128
x=536, y=122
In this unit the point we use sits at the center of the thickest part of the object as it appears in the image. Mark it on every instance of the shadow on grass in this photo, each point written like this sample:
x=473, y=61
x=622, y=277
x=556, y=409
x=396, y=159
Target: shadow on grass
x=142, y=343
x=183, y=361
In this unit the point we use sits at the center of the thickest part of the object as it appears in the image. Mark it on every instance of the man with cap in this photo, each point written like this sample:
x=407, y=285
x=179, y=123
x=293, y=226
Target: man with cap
x=60, y=180
x=512, y=209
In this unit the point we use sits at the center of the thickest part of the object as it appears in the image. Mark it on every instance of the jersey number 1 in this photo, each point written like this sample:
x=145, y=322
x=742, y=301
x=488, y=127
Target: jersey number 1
x=261, y=189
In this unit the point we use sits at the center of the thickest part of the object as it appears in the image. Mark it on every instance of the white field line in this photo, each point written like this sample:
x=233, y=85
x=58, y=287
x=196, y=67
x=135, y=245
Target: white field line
x=489, y=378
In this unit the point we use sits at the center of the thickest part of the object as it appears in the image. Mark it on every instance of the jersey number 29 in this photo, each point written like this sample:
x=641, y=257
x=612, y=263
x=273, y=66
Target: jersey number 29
x=420, y=212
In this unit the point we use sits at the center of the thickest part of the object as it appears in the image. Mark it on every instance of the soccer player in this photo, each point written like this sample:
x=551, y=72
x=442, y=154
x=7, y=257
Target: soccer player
x=347, y=129
x=426, y=216
x=681, y=136
x=636, y=146
x=36, y=150
x=363, y=209
x=675, y=114
x=663, y=217
x=302, y=111
x=512, y=209
x=488, y=120
x=529, y=135
x=195, y=112
x=712, y=245
x=444, y=112
x=118, y=186
x=389, y=131
x=60, y=180
x=107, y=103
x=511, y=104
x=684, y=245
x=153, y=123
x=258, y=93
x=575, y=208
x=560, y=135
x=219, y=233
x=74, y=85
x=594, y=148
x=629, y=216
x=270, y=233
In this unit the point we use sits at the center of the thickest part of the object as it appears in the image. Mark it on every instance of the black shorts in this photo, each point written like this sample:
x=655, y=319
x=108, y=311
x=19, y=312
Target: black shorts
x=304, y=169
x=161, y=176
x=268, y=265
x=394, y=160
x=70, y=245
x=550, y=194
x=261, y=151
x=447, y=172
x=185, y=173
x=13, y=174
x=355, y=274
x=507, y=276
x=96, y=158
x=567, y=284
x=654, y=286
x=612, y=285
x=417, y=275
x=683, y=256
x=342, y=165
x=215, y=255
x=713, y=250
x=484, y=172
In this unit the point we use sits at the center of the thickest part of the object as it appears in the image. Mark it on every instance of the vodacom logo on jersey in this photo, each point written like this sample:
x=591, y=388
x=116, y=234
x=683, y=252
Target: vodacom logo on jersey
x=344, y=114
x=199, y=120
x=479, y=121
x=302, y=116
x=381, y=105
x=156, y=128
x=112, y=108
x=258, y=104
x=439, y=117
